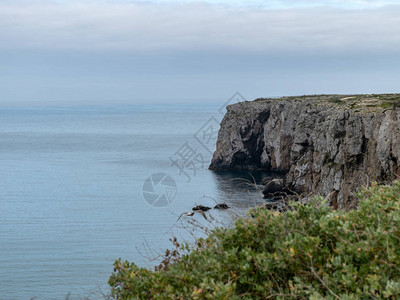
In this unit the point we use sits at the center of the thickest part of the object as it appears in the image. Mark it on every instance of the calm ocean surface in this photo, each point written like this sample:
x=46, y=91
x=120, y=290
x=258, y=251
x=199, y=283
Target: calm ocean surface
x=71, y=199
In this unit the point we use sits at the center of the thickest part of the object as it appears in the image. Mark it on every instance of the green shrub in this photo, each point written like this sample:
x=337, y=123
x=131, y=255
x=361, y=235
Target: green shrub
x=309, y=252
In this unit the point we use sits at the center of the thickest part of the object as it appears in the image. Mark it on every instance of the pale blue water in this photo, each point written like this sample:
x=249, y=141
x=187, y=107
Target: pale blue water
x=71, y=198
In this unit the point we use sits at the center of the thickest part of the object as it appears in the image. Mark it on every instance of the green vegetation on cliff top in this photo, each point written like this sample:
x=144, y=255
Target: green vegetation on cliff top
x=369, y=102
x=310, y=252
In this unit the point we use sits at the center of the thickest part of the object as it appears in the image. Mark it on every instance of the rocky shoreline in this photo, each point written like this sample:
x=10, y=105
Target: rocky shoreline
x=328, y=145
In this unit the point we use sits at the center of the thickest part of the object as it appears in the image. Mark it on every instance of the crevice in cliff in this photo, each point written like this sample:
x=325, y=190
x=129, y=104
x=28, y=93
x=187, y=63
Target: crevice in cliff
x=253, y=143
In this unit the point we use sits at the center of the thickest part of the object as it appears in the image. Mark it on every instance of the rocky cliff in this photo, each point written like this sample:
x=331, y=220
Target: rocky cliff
x=329, y=145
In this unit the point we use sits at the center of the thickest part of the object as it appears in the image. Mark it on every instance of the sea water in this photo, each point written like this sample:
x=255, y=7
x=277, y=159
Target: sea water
x=75, y=193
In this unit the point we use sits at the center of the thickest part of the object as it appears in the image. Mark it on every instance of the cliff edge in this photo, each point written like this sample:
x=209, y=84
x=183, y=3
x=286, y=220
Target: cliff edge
x=329, y=145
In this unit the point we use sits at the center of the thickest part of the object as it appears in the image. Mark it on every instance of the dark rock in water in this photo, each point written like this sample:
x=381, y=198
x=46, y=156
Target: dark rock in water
x=201, y=207
x=221, y=206
x=266, y=180
x=273, y=186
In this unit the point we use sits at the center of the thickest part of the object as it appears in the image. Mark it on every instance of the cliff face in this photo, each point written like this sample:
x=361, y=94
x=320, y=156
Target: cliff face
x=326, y=145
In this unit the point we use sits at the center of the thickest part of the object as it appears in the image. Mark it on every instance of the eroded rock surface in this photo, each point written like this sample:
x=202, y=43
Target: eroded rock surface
x=328, y=145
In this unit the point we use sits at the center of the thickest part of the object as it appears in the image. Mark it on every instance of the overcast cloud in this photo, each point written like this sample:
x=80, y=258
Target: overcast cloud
x=103, y=25
x=127, y=51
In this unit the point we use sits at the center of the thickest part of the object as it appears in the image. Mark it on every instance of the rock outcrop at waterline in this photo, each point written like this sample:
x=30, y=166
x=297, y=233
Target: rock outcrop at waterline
x=329, y=145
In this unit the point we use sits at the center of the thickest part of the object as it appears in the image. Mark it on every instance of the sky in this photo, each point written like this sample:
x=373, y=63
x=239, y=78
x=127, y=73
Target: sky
x=55, y=52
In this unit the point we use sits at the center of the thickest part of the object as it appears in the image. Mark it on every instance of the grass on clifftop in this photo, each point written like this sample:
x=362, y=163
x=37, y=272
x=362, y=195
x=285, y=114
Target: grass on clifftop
x=371, y=102
x=310, y=252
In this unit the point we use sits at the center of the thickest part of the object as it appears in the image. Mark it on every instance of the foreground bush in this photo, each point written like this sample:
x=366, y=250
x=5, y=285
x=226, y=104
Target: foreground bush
x=308, y=252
